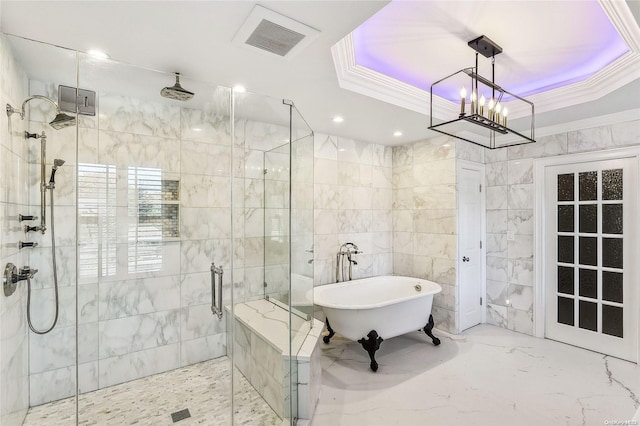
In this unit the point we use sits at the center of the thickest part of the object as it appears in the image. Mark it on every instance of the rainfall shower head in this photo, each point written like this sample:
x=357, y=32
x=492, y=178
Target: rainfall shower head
x=177, y=92
x=60, y=121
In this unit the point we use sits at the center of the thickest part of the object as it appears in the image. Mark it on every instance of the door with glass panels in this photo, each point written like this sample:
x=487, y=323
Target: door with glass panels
x=591, y=255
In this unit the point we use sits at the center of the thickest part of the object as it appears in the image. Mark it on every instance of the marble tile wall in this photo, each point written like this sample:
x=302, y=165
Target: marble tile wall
x=14, y=200
x=424, y=218
x=510, y=207
x=353, y=203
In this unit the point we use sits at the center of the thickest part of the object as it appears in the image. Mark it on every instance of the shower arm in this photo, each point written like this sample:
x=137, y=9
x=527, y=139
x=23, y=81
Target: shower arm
x=22, y=111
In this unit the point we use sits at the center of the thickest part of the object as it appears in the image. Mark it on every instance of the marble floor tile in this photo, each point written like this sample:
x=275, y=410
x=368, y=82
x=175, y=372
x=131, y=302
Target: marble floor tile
x=484, y=376
x=203, y=388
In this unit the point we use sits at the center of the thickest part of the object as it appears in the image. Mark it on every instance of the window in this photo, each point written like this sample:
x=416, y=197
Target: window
x=96, y=220
x=154, y=214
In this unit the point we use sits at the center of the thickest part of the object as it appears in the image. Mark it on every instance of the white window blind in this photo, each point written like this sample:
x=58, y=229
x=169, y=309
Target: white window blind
x=154, y=213
x=97, y=220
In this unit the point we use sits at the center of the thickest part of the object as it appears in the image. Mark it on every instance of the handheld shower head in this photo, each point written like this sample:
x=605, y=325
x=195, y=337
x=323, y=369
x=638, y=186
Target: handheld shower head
x=56, y=163
x=177, y=92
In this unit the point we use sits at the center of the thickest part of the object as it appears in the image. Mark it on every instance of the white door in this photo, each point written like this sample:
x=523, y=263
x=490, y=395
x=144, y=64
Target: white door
x=590, y=236
x=470, y=236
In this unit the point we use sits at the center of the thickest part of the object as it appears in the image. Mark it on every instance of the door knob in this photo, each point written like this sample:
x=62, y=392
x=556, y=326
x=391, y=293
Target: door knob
x=465, y=259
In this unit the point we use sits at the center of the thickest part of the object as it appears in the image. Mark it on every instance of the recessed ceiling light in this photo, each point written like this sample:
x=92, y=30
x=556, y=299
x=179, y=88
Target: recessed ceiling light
x=397, y=133
x=197, y=129
x=447, y=145
x=238, y=88
x=338, y=119
x=98, y=54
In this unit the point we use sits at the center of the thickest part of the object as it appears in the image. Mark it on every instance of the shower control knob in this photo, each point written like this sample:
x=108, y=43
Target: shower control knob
x=8, y=284
x=12, y=277
x=28, y=271
x=28, y=228
x=23, y=244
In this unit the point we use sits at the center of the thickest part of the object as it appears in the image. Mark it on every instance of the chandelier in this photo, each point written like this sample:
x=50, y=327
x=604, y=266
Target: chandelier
x=489, y=116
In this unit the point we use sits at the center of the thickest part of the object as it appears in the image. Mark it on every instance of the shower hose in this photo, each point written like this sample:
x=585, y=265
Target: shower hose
x=55, y=276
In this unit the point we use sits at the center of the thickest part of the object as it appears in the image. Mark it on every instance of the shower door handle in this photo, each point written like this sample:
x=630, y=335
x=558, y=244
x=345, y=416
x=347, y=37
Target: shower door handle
x=216, y=309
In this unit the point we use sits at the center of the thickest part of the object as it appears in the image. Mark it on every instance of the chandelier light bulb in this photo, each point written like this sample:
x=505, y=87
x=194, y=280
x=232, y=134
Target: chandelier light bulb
x=474, y=103
x=481, y=103
x=505, y=111
x=463, y=96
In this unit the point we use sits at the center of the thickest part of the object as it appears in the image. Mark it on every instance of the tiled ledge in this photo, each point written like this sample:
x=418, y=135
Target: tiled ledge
x=270, y=322
x=261, y=352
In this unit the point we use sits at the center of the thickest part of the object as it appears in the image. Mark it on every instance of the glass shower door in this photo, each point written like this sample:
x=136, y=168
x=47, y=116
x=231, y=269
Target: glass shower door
x=261, y=248
x=37, y=368
x=301, y=254
x=145, y=212
x=273, y=238
x=154, y=213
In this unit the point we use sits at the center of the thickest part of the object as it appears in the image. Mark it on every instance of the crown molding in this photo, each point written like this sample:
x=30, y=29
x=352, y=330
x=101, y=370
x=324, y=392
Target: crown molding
x=612, y=77
x=588, y=123
x=623, y=20
x=365, y=81
x=622, y=71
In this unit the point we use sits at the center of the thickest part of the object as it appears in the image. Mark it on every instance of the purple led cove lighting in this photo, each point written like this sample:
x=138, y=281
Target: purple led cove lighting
x=391, y=41
x=369, y=59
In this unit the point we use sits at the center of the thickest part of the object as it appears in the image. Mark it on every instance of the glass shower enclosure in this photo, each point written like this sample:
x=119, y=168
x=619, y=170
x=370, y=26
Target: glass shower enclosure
x=167, y=214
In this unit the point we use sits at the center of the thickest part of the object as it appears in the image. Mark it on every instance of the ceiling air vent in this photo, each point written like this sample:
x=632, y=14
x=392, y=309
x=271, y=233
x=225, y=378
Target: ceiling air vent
x=271, y=32
x=274, y=38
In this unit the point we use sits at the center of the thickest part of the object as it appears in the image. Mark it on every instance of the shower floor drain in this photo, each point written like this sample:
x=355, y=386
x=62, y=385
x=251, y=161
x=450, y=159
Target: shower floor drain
x=180, y=415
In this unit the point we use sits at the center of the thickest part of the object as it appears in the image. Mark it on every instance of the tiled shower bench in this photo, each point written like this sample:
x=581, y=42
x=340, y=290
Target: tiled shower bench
x=261, y=351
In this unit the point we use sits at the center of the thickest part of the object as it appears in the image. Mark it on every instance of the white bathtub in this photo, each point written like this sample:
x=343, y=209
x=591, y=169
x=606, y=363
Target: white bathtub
x=377, y=308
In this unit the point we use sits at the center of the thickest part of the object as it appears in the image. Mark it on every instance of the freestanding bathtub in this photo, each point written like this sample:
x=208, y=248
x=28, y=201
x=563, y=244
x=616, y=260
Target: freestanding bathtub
x=371, y=310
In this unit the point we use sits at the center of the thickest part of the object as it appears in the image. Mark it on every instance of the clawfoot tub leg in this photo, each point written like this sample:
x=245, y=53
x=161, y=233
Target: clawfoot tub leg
x=371, y=345
x=427, y=329
x=327, y=338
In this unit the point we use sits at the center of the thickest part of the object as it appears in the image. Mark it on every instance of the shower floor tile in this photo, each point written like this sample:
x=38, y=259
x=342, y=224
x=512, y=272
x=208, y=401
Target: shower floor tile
x=201, y=388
